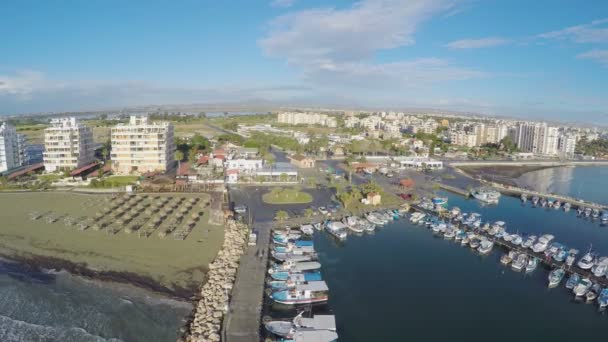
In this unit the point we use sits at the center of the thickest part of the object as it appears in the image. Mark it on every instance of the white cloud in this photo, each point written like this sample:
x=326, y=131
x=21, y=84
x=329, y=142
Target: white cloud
x=600, y=56
x=477, y=43
x=21, y=83
x=282, y=3
x=593, y=32
x=331, y=45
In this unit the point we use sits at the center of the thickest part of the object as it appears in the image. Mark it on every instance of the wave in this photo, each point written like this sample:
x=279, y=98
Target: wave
x=12, y=330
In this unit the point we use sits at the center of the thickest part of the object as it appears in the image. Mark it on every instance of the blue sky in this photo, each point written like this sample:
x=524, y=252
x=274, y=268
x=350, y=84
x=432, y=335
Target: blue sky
x=536, y=59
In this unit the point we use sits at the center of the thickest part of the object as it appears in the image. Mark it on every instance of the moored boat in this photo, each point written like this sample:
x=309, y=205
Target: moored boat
x=602, y=299
x=485, y=246
x=582, y=287
x=593, y=292
x=312, y=292
x=486, y=195
x=587, y=261
x=556, y=276
x=532, y=264
x=520, y=262
x=573, y=280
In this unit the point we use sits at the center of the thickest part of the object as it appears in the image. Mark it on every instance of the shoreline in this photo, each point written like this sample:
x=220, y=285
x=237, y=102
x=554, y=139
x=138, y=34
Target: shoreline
x=504, y=174
x=36, y=263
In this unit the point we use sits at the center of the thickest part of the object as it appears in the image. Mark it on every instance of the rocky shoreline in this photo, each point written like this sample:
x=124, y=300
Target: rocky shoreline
x=500, y=173
x=36, y=263
x=214, y=294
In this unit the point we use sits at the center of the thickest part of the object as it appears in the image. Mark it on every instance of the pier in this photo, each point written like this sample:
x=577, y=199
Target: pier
x=243, y=320
x=550, y=262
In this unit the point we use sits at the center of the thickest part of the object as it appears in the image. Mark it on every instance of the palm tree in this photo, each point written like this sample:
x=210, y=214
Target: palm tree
x=281, y=216
x=308, y=213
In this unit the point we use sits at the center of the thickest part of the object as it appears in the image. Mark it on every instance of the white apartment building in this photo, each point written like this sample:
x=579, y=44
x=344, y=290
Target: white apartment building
x=537, y=137
x=67, y=145
x=294, y=118
x=463, y=138
x=142, y=146
x=11, y=148
x=495, y=133
x=566, y=145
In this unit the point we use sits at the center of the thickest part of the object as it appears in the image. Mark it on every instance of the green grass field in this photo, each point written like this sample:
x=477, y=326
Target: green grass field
x=286, y=196
x=172, y=263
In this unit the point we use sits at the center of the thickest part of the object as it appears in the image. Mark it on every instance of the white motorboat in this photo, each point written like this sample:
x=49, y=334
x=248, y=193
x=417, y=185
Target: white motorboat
x=486, y=195
x=520, y=262
x=586, y=262
x=543, y=243
x=582, y=287
x=485, y=246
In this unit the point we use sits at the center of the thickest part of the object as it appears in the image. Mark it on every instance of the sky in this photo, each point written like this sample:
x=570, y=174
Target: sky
x=536, y=59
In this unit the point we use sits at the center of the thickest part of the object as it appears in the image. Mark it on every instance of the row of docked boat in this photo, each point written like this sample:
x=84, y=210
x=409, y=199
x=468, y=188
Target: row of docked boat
x=522, y=257
x=581, y=211
x=359, y=225
x=295, y=279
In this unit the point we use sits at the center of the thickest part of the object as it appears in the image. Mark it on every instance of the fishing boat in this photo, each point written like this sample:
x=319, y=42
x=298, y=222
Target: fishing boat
x=507, y=237
x=286, y=275
x=520, y=262
x=535, y=200
x=532, y=264
x=293, y=279
x=336, y=229
x=524, y=198
x=439, y=201
x=450, y=233
x=587, y=261
x=486, y=195
x=572, y=281
x=368, y=227
x=474, y=243
x=580, y=211
x=543, y=202
x=374, y=219
x=455, y=211
x=582, y=287
x=309, y=293
x=560, y=254
x=485, y=246
x=286, y=257
x=288, y=329
x=593, y=292
x=460, y=234
x=567, y=206
x=305, y=335
x=295, y=266
x=352, y=223
x=318, y=226
x=587, y=212
x=556, y=276
x=604, y=218
x=602, y=299
x=595, y=213
x=557, y=204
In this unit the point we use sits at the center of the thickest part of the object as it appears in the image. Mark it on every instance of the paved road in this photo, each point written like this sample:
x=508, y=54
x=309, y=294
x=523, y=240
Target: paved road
x=243, y=321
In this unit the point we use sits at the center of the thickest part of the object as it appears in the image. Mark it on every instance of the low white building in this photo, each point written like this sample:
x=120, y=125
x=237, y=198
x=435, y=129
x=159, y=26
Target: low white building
x=419, y=163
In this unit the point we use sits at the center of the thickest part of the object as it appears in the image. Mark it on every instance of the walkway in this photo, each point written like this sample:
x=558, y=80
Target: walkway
x=242, y=323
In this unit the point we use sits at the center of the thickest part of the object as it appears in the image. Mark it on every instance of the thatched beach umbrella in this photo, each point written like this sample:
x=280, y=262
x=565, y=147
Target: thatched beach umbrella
x=162, y=234
x=128, y=230
x=194, y=216
x=96, y=227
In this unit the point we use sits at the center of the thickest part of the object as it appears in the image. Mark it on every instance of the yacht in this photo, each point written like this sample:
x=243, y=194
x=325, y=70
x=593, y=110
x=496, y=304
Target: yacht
x=307, y=229
x=529, y=241
x=486, y=195
x=474, y=243
x=582, y=287
x=506, y=259
x=516, y=239
x=507, y=237
x=520, y=262
x=556, y=276
x=532, y=264
x=602, y=299
x=336, y=229
x=450, y=233
x=593, y=292
x=485, y=246
x=586, y=262
x=542, y=243
x=573, y=280
x=601, y=267
x=309, y=293
x=571, y=258
x=560, y=255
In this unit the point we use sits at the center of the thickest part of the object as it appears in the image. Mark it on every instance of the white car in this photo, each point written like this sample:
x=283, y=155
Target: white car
x=323, y=211
x=241, y=209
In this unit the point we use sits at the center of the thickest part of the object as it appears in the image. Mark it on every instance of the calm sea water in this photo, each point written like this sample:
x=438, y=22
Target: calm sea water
x=63, y=308
x=586, y=182
x=403, y=283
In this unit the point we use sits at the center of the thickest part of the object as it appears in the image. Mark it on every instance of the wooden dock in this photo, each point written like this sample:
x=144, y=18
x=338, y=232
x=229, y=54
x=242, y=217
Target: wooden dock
x=508, y=246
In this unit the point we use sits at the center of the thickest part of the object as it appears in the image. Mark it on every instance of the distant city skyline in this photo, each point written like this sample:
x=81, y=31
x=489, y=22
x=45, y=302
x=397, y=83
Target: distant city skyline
x=542, y=60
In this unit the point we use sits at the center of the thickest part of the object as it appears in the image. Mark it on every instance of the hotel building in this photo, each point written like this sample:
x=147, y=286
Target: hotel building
x=67, y=145
x=141, y=146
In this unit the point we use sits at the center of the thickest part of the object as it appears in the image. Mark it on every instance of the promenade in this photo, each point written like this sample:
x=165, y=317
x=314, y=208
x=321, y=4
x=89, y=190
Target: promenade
x=242, y=323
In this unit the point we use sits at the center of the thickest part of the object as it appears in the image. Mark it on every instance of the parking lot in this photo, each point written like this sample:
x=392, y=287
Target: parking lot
x=251, y=197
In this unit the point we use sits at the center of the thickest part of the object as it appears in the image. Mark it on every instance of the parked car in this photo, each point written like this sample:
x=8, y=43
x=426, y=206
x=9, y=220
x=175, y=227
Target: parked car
x=241, y=209
x=323, y=211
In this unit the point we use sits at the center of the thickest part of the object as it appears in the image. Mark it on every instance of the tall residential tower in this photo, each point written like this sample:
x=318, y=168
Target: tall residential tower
x=67, y=145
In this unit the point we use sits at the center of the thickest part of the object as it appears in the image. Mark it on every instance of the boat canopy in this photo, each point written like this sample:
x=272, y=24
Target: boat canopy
x=313, y=286
x=319, y=322
x=304, y=243
x=314, y=336
x=305, y=266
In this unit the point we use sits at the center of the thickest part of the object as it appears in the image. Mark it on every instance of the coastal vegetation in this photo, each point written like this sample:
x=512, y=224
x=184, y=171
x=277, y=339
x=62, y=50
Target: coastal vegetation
x=281, y=216
x=595, y=148
x=113, y=181
x=72, y=231
x=279, y=195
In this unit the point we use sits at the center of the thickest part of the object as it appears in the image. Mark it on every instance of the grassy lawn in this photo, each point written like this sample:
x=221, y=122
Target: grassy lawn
x=49, y=177
x=191, y=128
x=173, y=263
x=286, y=196
x=113, y=181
